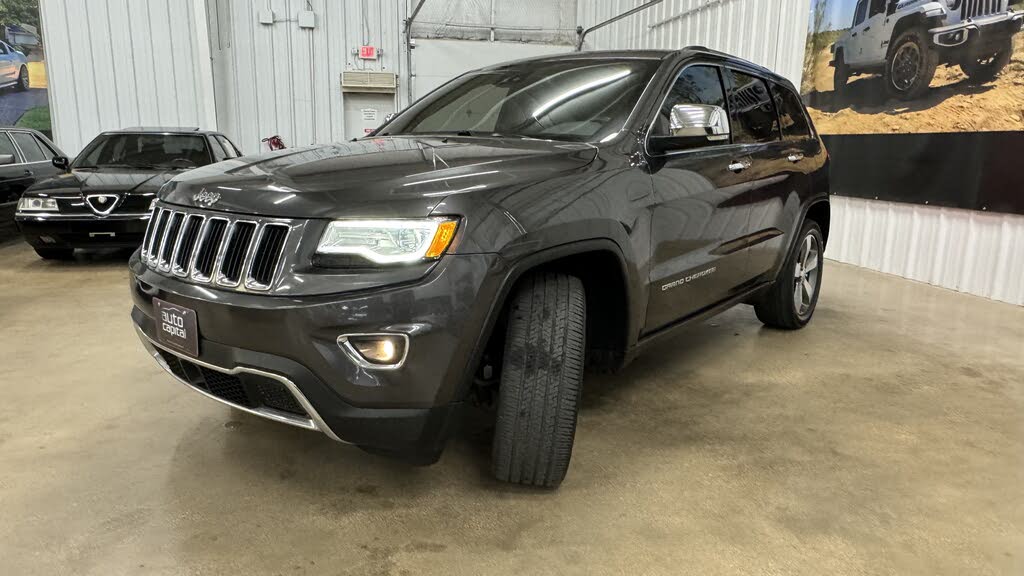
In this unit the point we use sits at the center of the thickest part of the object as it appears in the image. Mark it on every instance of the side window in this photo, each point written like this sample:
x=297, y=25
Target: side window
x=791, y=112
x=29, y=147
x=50, y=152
x=877, y=7
x=861, y=13
x=3, y=48
x=218, y=150
x=695, y=85
x=229, y=148
x=7, y=147
x=751, y=111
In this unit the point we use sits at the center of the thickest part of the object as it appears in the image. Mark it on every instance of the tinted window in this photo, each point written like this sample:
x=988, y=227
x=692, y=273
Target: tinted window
x=861, y=13
x=7, y=147
x=3, y=48
x=145, y=151
x=877, y=7
x=218, y=151
x=574, y=100
x=750, y=109
x=229, y=148
x=695, y=85
x=29, y=147
x=50, y=152
x=791, y=114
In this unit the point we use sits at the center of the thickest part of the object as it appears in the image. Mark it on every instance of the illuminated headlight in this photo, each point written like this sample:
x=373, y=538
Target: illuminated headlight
x=389, y=241
x=28, y=204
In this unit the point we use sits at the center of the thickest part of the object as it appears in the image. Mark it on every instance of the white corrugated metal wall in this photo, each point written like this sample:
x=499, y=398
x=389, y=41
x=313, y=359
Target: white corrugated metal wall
x=118, y=63
x=280, y=79
x=769, y=32
x=980, y=253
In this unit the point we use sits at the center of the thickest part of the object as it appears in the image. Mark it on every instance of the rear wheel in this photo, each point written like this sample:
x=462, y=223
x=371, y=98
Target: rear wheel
x=841, y=75
x=790, y=303
x=541, y=376
x=983, y=68
x=23, y=80
x=56, y=253
x=910, y=66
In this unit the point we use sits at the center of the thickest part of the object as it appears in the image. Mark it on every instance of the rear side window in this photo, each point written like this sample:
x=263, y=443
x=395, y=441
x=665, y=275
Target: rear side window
x=695, y=85
x=7, y=147
x=791, y=113
x=750, y=109
x=29, y=147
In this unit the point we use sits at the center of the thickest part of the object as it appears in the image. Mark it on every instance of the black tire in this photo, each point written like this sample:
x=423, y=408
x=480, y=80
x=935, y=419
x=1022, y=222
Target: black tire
x=541, y=376
x=23, y=81
x=984, y=68
x=778, y=306
x=841, y=75
x=56, y=253
x=910, y=65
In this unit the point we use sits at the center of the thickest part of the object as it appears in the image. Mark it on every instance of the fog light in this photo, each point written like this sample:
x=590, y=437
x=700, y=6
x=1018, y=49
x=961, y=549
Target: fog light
x=382, y=351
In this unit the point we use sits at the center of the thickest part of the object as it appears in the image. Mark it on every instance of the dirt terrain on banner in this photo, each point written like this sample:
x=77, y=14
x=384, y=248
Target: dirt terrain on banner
x=951, y=105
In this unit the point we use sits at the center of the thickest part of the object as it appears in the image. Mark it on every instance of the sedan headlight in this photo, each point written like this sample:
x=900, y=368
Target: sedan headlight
x=29, y=204
x=389, y=241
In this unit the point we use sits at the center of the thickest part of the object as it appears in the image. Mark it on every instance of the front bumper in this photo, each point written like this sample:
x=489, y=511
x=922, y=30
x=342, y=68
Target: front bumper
x=409, y=412
x=983, y=29
x=82, y=231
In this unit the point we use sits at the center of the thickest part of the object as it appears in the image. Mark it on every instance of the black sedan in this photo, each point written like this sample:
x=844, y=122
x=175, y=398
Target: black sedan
x=102, y=199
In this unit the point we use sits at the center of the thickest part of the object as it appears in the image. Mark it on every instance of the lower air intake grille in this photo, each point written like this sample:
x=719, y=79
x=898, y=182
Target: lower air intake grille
x=247, y=390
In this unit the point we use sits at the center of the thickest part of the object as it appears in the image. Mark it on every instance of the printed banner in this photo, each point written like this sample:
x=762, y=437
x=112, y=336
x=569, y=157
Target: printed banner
x=915, y=66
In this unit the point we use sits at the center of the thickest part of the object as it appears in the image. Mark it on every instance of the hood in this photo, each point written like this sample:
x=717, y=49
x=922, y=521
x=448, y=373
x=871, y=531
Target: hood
x=146, y=182
x=375, y=178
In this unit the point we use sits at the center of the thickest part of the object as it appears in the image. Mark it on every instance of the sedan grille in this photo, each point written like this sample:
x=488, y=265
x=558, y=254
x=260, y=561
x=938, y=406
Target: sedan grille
x=228, y=251
x=975, y=8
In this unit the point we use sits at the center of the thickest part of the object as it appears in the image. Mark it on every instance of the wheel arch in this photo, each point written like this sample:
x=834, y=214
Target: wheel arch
x=609, y=283
x=918, y=18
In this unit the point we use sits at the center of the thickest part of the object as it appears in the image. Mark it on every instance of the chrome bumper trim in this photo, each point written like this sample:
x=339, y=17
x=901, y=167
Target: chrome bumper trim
x=314, y=422
x=974, y=25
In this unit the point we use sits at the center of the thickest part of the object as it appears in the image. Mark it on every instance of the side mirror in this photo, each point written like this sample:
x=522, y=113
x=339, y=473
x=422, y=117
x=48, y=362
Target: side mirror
x=6, y=159
x=691, y=126
x=61, y=162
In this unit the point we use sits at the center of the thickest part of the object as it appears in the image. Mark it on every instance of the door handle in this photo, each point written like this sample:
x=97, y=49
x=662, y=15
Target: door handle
x=740, y=166
x=796, y=157
x=29, y=173
x=868, y=28
x=854, y=35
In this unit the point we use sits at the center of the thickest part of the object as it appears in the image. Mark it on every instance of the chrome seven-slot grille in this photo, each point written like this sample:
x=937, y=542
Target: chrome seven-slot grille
x=975, y=8
x=233, y=252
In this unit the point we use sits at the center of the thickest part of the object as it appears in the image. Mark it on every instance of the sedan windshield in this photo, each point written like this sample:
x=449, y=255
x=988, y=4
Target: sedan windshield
x=573, y=100
x=161, y=151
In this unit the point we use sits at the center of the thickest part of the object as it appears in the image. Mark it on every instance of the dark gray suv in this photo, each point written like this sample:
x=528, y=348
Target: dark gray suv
x=518, y=224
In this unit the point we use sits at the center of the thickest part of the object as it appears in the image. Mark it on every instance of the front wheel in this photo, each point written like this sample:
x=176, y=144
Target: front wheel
x=790, y=303
x=541, y=376
x=981, y=69
x=910, y=66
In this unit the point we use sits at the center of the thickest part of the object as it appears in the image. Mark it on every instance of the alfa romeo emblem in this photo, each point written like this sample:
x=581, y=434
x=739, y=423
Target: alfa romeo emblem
x=206, y=198
x=101, y=204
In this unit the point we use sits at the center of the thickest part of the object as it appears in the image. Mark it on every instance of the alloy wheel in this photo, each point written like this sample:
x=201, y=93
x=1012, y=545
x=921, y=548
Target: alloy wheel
x=24, y=79
x=806, y=275
x=906, y=66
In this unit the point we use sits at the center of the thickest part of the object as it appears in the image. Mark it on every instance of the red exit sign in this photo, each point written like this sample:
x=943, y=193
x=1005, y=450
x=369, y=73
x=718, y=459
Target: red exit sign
x=368, y=52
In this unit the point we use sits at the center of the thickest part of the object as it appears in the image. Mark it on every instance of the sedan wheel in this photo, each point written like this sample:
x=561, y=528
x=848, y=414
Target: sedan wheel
x=805, y=282
x=23, y=80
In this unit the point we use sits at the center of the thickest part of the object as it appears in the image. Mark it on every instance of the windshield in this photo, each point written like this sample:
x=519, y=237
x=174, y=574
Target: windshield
x=164, y=151
x=574, y=100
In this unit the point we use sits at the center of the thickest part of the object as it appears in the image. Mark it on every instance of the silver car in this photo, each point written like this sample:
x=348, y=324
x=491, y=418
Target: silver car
x=13, y=68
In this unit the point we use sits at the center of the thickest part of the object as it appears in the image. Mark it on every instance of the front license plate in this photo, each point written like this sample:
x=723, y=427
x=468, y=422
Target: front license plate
x=176, y=327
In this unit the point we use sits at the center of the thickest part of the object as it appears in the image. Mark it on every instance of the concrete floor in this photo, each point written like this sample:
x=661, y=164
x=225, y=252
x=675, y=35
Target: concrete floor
x=887, y=438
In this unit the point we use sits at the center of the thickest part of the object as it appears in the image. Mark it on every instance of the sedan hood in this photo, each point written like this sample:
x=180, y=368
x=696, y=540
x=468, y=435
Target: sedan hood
x=375, y=178
x=107, y=180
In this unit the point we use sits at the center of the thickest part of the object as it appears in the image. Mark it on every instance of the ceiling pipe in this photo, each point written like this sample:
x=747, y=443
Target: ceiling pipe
x=407, y=30
x=582, y=34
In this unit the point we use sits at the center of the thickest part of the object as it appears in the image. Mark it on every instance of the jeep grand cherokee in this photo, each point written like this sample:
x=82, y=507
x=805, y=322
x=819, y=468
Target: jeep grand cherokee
x=519, y=223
